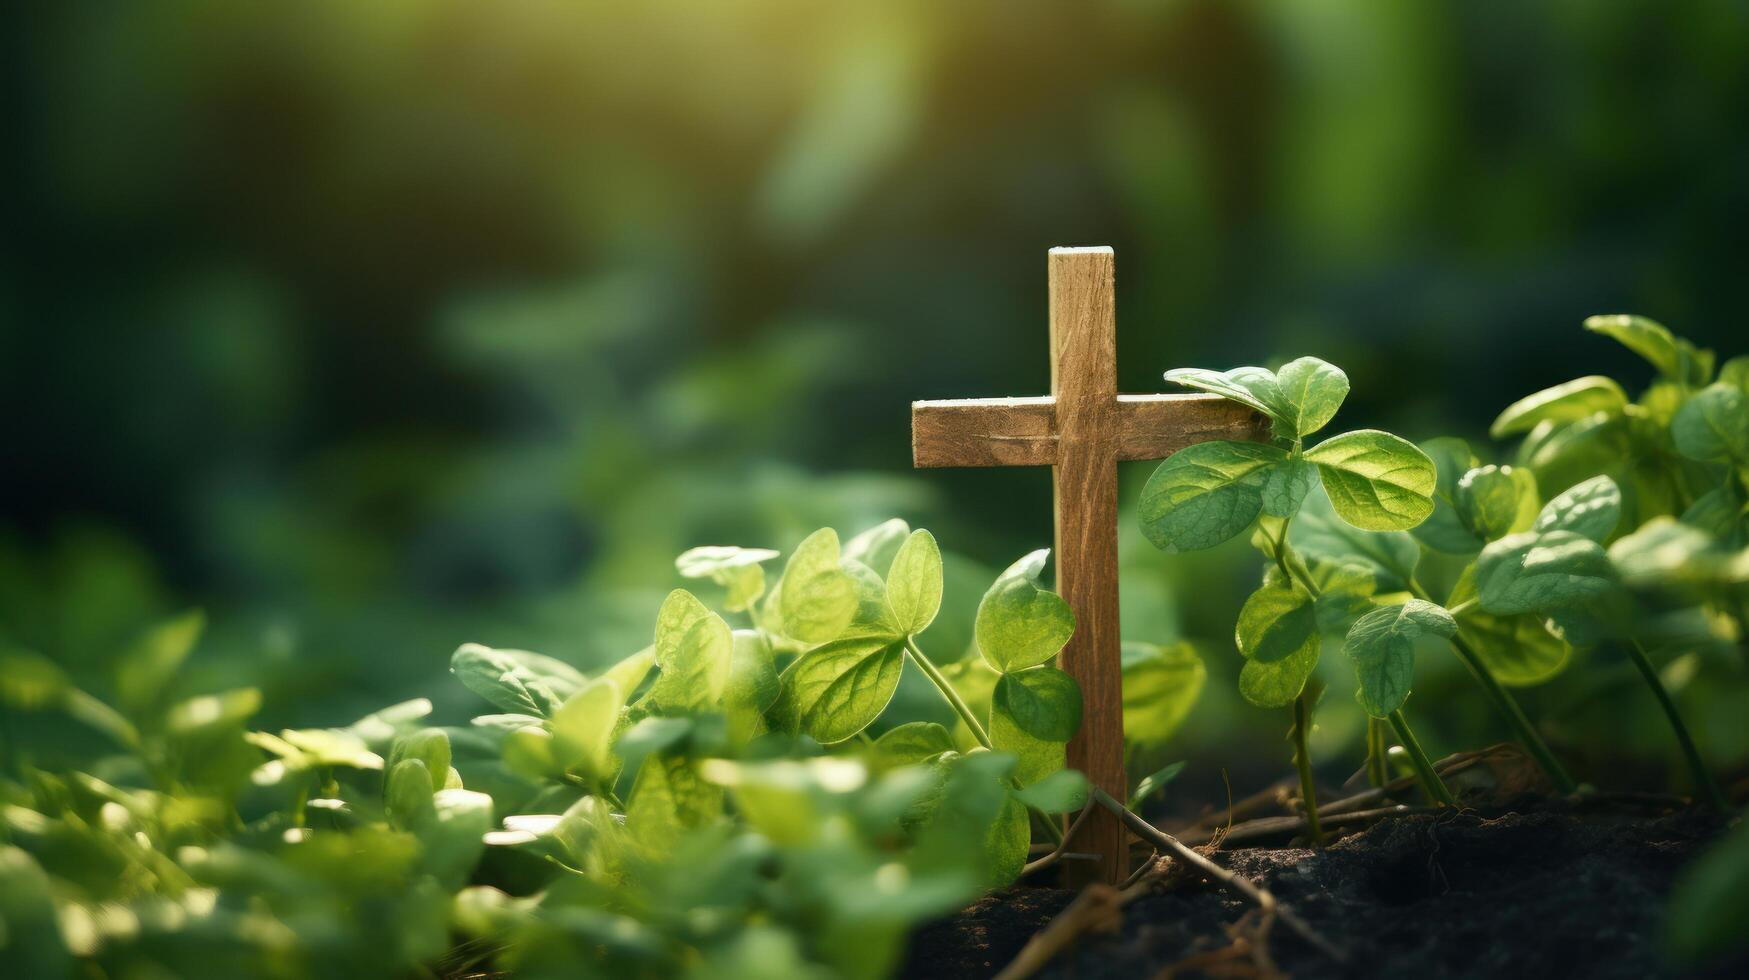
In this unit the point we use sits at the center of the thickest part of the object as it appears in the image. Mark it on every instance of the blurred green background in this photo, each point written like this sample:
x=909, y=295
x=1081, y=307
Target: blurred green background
x=373, y=328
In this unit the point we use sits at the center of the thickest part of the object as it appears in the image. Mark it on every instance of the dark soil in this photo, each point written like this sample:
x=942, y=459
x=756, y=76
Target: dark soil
x=1531, y=890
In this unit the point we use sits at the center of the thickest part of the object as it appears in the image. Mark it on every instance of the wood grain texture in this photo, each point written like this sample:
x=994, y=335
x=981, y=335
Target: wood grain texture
x=1084, y=384
x=1081, y=430
x=1023, y=431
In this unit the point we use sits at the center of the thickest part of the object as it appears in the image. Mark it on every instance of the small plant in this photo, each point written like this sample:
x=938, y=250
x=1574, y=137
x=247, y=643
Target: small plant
x=1373, y=481
x=1674, y=462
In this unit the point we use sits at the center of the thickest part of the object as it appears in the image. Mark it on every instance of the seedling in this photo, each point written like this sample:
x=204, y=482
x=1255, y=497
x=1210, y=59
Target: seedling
x=1210, y=493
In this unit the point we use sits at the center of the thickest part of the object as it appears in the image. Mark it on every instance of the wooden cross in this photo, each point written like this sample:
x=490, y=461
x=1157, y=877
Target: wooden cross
x=1081, y=430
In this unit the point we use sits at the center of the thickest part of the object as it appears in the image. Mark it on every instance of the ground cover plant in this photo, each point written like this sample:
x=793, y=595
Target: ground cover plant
x=751, y=795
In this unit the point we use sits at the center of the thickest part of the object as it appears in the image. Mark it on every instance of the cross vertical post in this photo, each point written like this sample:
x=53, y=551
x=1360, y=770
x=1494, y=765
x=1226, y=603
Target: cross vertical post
x=1081, y=430
x=1083, y=327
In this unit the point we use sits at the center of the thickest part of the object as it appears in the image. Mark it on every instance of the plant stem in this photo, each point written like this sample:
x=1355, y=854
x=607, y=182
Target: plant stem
x=1508, y=707
x=1504, y=702
x=1424, y=771
x=1703, y=780
x=947, y=691
x=1303, y=761
x=1377, y=767
x=964, y=710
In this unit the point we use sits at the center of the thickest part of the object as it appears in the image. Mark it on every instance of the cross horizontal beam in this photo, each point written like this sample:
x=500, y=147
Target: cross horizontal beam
x=1023, y=431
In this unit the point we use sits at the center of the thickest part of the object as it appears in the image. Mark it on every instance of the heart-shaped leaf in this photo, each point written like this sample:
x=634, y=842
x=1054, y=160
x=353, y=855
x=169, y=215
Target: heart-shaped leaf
x=1020, y=625
x=1591, y=508
x=1382, y=646
x=1531, y=572
x=914, y=582
x=1277, y=633
x=1376, y=481
x=1206, y=494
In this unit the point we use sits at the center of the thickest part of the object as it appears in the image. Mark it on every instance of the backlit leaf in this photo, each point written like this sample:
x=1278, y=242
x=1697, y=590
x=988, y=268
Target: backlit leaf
x=914, y=582
x=1020, y=625
x=1044, y=702
x=1063, y=791
x=818, y=598
x=1674, y=357
x=1444, y=530
x=1310, y=392
x=583, y=729
x=1568, y=402
x=694, y=648
x=1285, y=486
x=1320, y=536
x=911, y=743
x=1277, y=633
x=1519, y=650
x=1251, y=386
x=1375, y=481
x=836, y=690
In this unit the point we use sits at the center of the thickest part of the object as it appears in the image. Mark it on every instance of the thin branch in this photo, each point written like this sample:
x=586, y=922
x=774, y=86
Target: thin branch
x=1060, y=852
x=1256, y=893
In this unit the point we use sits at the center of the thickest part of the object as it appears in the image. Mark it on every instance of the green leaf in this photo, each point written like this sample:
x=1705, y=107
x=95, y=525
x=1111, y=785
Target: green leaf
x=695, y=649
x=1495, y=501
x=1205, y=494
x=407, y=792
x=914, y=582
x=736, y=569
x=1285, y=486
x=515, y=680
x=818, y=597
x=30, y=933
x=1043, y=702
x=583, y=729
x=1375, y=481
x=1063, y=791
x=454, y=833
x=1518, y=650
x=910, y=744
x=1735, y=372
x=1713, y=425
x=1531, y=572
x=1319, y=536
x=428, y=745
x=1569, y=402
x=1155, y=782
x=1160, y=686
x=1020, y=625
x=142, y=672
x=1592, y=509
x=669, y=798
x=1674, y=358
x=1277, y=633
x=1311, y=391
x=879, y=545
x=836, y=690
x=31, y=681
x=1252, y=386
x=631, y=671
x=1444, y=530
x=1382, y=646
